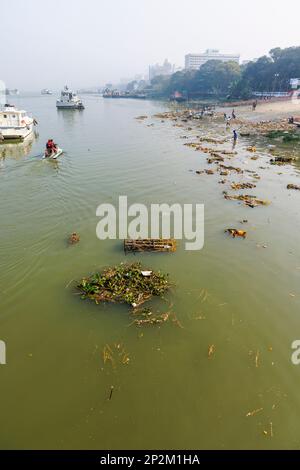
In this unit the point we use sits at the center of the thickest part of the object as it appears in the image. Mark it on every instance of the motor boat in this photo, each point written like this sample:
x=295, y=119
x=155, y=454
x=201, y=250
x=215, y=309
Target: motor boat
x=69, y=100
x=15, y=123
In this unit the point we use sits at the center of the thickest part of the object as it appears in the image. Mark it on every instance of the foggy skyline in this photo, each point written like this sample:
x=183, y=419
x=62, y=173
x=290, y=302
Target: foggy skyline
x=51, y=43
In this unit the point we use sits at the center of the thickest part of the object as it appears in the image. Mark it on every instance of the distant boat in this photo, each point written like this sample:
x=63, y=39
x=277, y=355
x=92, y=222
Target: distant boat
x=45, y=91
x=69, y=100
x=15, y=123
x=13, y=92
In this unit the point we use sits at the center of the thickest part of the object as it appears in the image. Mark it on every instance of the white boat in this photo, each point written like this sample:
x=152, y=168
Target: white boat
x=69, y=100
x=54, y=155
x=45, y=91
x=15, y=123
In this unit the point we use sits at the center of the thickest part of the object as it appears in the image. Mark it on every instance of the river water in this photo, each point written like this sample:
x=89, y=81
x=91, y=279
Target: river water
x=241, y=296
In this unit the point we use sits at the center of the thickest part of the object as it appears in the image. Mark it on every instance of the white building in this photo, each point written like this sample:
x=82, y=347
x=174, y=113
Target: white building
x=295, y=83
x=165, y=69
x=195, y=61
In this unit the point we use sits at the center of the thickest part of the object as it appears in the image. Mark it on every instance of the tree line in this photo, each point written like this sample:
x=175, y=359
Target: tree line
x=215, y=78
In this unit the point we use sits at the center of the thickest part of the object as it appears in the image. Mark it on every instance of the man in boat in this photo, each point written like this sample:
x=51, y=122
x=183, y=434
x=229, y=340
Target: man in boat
x=51, y=148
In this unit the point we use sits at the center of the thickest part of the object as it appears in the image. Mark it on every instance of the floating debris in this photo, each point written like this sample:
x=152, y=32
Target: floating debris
x=254, y=412
x=281, y=160
x=236, y=186
x=251, y=149
x=215, y=157
x=145, y=316
x=150, y=244
x=293, y=186
x=74, y=238
x=211, y=350
x=124, y=284
x=249, y=200
x=141, y=117
x=236, y=233
x=115, y=354
x=231, y=168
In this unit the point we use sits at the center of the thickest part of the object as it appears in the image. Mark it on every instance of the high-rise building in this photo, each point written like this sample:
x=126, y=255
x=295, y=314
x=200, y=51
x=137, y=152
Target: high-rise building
x=165, y=69
x=195, y=61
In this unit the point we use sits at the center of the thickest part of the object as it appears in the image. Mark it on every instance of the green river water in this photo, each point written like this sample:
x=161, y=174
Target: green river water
x=234, y=294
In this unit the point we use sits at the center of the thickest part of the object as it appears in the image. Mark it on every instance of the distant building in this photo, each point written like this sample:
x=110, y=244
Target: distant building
x=165, y=69
x=195, y=61
x=295, y=83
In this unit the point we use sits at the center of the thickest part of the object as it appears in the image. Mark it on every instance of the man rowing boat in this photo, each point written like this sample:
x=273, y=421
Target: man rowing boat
x=51, y=148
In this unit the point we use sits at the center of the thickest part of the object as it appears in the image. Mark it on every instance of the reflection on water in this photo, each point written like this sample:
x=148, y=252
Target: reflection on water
x=241, y=296
x=17, y=150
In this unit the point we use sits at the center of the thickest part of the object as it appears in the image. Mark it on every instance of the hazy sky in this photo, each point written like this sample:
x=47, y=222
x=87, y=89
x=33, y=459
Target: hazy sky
x=90, y=42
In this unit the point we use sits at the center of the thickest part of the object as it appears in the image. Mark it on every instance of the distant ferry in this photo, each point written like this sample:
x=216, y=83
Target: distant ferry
x=45, y=91
x=15, y=123
x=69, y=100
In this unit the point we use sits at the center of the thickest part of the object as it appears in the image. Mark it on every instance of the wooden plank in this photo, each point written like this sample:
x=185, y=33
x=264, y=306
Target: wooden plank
x=150, y=244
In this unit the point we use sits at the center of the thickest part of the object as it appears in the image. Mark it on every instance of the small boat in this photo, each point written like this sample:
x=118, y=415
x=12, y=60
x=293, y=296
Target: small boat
x=14, y=92
x=69, y=100
x=15, y=124
x=46, y=91
x=54, y=155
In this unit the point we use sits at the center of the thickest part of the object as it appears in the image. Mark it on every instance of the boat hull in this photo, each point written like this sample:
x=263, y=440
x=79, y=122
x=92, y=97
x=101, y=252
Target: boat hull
x=69, y=106
x=16, y=133
x=54, y=156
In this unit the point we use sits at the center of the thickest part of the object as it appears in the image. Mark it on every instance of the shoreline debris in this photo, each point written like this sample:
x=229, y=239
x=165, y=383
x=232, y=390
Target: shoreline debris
x=293, y=186
x=236, y=186
x=248, y=199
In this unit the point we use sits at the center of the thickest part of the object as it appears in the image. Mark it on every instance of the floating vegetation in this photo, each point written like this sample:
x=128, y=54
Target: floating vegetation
x=286, y=136
x=125, y=283
x=146, y=316
x=236, y=233
x=115, y=354
x=73, y=238
x=251, y=149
